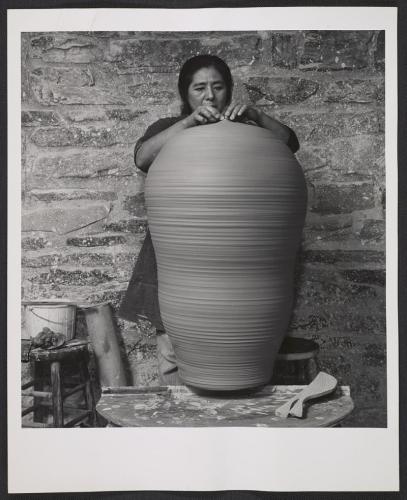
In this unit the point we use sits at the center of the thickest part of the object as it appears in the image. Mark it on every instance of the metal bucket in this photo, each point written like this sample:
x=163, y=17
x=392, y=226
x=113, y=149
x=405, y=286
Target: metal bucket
x=57, y=316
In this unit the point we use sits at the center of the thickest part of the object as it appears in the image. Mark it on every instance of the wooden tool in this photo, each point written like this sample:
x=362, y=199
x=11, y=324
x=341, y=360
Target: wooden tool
x=322, y=385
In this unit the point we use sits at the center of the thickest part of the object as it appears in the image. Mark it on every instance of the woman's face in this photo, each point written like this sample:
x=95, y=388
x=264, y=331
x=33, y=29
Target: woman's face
x=207, y=88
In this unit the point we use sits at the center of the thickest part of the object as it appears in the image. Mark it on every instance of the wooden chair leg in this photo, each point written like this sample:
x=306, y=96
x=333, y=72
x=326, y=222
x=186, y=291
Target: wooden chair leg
x=88, y=391
x=39, y=375
x=56, y=386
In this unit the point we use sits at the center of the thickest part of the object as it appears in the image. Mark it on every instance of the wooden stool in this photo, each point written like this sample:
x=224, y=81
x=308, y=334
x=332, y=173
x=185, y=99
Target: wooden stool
x=302, y=353
x=76, y=353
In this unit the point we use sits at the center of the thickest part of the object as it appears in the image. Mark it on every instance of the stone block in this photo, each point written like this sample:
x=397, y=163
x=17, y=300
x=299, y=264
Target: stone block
x=354, y=158
x=339, y=256
x=84, y=259
x=147, y=53
x=344, y=328
x=83, y=114
x=124, y=114
x=343, y=198
x=25, y=59
x=280, y=49
x=63, y=220
x=326, y=287
x=339, y=236
x=138, y=225
x=373, y=229
x=74, y=136
x=48, y=95
x=331, y=124
x=71, y=75
x=114, y=296
x=368, y=276
x=38, y=118
x=71, y=194
x=347, y=342
x=379, y=54
x=328, y=222
x=96, y=240
x=115, y=163
x=76, y=85
x=33, y=260
x=152, y=93
x=292, y=90
x=159, y=53
x=33, y=243
x=72, y=277
x=368, y=384
x=121, y=134
x=135, y=205
x=66, y=47
x=355, y=91
x=374, y=355
x=336, y=50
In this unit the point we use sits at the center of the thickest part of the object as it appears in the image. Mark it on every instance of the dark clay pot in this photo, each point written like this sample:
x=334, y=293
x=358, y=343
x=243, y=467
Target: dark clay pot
x=226, y=206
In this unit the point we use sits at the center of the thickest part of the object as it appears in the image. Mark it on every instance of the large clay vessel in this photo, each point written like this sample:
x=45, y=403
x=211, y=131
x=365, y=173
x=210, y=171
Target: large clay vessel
x=226, y=205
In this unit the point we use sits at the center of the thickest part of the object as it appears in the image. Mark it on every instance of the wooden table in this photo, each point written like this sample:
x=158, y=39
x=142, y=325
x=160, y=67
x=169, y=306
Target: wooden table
x=179, y=406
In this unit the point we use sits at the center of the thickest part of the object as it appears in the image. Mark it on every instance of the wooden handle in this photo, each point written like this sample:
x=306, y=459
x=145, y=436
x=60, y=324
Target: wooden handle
x=322, y=385
x=284, y=409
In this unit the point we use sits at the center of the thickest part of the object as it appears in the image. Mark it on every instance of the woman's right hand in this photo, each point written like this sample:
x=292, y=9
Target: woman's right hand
x=201, y=115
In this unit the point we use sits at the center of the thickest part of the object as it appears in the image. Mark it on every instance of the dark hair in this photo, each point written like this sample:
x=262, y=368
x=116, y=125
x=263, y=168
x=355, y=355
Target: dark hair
x=194, y=64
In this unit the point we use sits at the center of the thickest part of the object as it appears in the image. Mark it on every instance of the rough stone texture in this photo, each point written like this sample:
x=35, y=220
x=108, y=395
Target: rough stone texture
x=355, y=158
x=96, y=240
x=342, y=198
x=63, y=220
x=71, y=194
x=88, y=96
x=171, y=54
x=128, y=225
x=74, y=164
x=355, y=91
x=73, y=277
x=33, y=243
x=280, y=90
x=135, y=205
x=35, y=118
x=337, y=50
x=319, y=125
x=373, y=230
x=99, y=258
x=281, y=49
x=63, y=47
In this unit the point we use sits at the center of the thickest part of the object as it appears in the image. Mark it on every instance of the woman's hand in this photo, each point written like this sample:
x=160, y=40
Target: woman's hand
x=236, y=109
x=201, y=115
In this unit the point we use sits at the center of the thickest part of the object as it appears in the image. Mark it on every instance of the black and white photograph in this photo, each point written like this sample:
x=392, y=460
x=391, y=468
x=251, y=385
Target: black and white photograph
x=205, y=239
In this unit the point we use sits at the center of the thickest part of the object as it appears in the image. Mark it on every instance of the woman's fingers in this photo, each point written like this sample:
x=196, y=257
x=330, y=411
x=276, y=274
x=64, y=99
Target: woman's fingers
x=211, y=113
x=238, y=111
x=205, y=114
x=234, y=110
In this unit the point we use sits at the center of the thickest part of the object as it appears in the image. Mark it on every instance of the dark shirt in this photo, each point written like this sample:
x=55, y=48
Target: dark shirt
x=141, y=297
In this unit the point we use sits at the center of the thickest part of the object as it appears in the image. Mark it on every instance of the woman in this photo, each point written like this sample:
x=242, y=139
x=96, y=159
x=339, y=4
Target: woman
x=205, y=86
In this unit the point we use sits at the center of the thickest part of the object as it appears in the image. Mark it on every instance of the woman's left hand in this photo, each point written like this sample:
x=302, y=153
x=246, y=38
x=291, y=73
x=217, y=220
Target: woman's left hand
x=236, y=109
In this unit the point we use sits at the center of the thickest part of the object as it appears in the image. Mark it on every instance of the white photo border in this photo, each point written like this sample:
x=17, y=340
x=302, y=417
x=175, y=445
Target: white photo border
x=200, y=459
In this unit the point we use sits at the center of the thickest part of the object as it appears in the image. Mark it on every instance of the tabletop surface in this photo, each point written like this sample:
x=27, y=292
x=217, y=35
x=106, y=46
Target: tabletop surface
x=179, y=406
x=70, y=348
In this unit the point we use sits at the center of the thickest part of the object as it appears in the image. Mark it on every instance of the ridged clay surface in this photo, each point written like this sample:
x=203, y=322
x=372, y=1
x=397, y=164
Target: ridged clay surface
x=226, y=206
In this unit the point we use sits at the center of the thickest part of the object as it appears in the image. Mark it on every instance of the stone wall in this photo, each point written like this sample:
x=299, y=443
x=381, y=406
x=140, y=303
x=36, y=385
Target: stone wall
x=87, y=97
